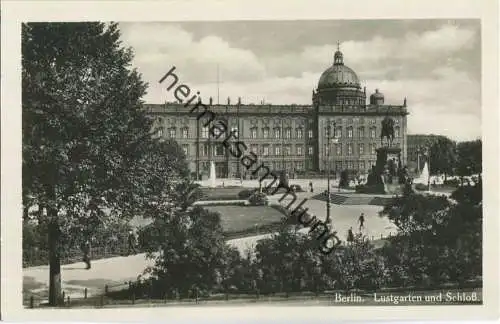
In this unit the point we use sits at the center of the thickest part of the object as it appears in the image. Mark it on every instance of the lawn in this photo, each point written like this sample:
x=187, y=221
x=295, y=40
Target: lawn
x=239, y=219
x=221, y=193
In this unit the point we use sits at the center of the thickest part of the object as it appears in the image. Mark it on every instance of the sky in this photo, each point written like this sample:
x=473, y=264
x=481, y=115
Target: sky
x=435, y=64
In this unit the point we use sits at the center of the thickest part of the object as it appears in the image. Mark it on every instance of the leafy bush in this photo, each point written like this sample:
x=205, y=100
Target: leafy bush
x=258, y=199
x=246, y=193
x=421, y=187
x=452, y=182
x=439, y=242
x=186, y=261
x=469, y=194
x=344, y=179
x=378, y=188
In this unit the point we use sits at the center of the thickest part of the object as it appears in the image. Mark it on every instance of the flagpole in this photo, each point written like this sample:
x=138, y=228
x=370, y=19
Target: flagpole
x=217, y=83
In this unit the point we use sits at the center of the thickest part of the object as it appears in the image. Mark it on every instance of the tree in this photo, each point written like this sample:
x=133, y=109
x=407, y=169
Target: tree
x=469, y=156
x=183, y=259
x=276, y=258
x=439, y=239
x=86, y=138
x=357, y=266
x=344, y=179
x=442, y=156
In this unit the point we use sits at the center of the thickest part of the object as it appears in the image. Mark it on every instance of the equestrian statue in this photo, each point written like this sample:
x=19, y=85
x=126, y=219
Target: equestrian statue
x=387, y=130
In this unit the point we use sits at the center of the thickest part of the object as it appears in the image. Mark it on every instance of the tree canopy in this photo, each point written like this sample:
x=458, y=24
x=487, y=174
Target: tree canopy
x=89, y=157
x=469, y=158
x=440, y=239
x=443, y=156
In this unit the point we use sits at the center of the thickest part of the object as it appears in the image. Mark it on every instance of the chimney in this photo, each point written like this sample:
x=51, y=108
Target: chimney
x=239, y=100
x=211, y=101
x=228, y=100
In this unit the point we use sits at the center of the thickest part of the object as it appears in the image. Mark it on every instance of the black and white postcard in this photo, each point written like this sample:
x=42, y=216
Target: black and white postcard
x=286, y=161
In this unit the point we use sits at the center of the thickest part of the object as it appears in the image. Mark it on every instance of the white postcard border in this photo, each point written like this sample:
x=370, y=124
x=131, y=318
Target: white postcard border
x=13, y=13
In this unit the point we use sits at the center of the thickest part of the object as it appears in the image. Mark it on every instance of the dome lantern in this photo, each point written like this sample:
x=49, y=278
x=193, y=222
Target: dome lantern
x=338, y=57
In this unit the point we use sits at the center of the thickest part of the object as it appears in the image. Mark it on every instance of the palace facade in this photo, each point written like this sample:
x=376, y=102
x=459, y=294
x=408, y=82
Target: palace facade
x=340, y=128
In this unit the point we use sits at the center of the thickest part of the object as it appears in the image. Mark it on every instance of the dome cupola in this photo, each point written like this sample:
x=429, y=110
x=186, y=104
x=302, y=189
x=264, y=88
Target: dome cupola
x=339, y=84
x=377, y=98
x=338, y=75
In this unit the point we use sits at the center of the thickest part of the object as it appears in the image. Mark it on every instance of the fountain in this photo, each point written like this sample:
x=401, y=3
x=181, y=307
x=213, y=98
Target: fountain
x=212, y=177
x=424, y=176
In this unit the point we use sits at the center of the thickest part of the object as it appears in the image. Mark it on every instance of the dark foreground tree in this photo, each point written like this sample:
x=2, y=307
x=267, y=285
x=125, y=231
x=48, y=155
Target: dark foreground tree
x=439, y=240
x=86, y=139
x=469, y=155
x=443, y=156
x=189, y=251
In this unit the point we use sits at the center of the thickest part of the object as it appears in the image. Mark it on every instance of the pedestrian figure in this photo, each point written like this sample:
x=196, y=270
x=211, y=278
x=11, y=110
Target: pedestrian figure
x=131, y=243
x=311, y=186
x=361, y=221
x=350, y=236
x=86, y=253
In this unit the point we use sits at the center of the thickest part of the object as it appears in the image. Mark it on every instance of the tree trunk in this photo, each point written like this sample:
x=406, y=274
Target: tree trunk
x=25, y=213
x=55, y=296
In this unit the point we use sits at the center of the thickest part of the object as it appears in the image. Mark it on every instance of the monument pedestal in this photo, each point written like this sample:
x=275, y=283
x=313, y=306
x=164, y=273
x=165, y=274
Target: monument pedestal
x=385, y=169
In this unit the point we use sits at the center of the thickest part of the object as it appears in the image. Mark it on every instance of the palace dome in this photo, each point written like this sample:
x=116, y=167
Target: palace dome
x=338, y=75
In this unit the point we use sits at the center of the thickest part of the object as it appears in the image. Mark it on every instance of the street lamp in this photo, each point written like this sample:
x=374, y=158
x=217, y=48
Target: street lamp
x=418, y=159
x=330, y=139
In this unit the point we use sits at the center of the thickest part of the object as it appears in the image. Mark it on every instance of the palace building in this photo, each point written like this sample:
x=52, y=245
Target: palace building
x=295, y=138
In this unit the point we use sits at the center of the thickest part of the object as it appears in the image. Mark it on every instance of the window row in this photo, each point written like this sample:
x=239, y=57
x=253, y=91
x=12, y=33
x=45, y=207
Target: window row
x=265, y=150
x=360, y=132
x=338, y=133
x=172, y=132
x=272, y=165
x=254, y=132
x=348, y=149
x=350, y=101
x=287, y=150
x=350, y=165
x=278, y=132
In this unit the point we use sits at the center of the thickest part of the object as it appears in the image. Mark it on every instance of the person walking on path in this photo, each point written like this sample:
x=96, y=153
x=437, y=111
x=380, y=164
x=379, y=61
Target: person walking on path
x=86, y=253
x=361, y=221
x=132, y=240
x=350, y=236
x=311, y=186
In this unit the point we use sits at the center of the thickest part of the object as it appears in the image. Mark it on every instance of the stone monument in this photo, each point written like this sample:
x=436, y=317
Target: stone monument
x=384, y=175
x=283, y=179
